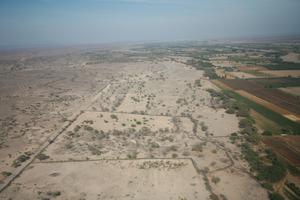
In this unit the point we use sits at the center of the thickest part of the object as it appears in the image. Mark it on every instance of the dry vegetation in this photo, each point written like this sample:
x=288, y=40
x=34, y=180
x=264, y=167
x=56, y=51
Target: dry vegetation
x=130, y=123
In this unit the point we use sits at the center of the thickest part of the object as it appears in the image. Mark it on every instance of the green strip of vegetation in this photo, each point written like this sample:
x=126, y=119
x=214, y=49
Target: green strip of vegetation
x=289, y=127
x=207, y=67
x=266, y=167
x=271, y=173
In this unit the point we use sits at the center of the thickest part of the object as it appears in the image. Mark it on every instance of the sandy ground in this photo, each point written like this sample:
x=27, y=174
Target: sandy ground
x=292, y=90
x=291, y=57
x=140, y=179
x=136, y=130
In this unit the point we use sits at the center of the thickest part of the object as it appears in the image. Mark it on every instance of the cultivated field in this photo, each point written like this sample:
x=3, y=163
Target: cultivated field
x=282, y=73
x=287, y=146
x=273, y=96
x=295, y=91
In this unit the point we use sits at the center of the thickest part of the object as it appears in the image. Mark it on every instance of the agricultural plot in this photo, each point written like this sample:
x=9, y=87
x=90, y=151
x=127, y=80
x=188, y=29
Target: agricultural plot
x=295, y=91
x=278, y=82
x=282, y=73
x=274, y=96
x=286, y=146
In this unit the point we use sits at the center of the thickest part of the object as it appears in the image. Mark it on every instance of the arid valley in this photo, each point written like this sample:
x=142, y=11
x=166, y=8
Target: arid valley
x=140, y=122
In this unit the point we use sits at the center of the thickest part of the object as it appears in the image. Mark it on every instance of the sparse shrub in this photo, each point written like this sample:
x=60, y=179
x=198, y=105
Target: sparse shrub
x=197, y=147
x=155, y=145
x=198, y=83
x=88, y=121
x=132, y=155
x=22, y=158
x=94, y=150
x=213, y=197
x=215, y=179
x=77, y=128
x=204, y=127
x=54, y=193
x=100, y=135
x=42, y=156
x=115, y=117
x=88, y=128
x=6, y=174
x=145, y=131
x=173, y=148
x=186, y=153
x=117, y=132
x=69, y=145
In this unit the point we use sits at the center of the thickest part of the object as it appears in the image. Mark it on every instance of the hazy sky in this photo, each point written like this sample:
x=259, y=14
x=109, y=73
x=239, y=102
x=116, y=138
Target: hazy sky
x=34, y=22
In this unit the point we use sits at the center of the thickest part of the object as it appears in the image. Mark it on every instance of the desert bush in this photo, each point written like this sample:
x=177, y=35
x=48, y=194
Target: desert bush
x=132, y=155
x=197, y=147
x=100, y=135
x=88, y=128
x=42, y=156
x=77, y=128
x=186, y=153
x=6, y=174
x=213, y=197
x=22, y=158
x=198, y=83
x=204, y=127
x=155, y=145
x=88, y=121
x=117, y=132
x=54, y=193
x=173, y=148
x=94, y=150
x=115, y=117
x=215, y=179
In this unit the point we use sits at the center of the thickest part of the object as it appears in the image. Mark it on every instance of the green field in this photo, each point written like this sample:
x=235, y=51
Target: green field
x=276, y=117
